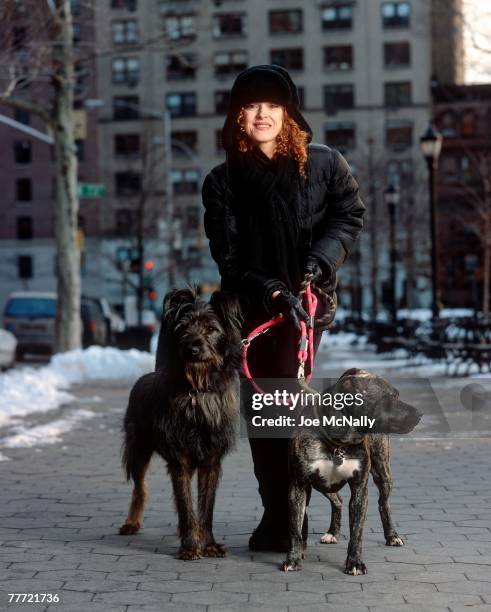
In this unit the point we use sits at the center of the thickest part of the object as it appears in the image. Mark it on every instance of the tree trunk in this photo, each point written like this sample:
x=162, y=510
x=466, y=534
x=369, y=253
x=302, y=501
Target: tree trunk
x=485, y=171
x=68, y=322
x=374, y=236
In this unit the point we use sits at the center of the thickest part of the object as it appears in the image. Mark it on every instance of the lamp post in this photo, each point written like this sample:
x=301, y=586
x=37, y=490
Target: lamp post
x=431, y=146
x=391, y=197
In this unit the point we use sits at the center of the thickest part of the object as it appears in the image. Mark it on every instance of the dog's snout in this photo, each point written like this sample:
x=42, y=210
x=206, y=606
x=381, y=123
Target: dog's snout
x=195, y=349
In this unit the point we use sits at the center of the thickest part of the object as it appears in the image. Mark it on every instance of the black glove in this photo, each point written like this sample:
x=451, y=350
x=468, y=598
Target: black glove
x=312, y=271
x=290, y=306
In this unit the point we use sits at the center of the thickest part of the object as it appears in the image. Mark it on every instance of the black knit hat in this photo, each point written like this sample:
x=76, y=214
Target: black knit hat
x=269, y=83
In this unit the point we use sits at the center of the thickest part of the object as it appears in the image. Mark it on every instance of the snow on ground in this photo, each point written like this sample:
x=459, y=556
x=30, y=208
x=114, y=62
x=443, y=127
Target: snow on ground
x=29, y=390
x=26, y=437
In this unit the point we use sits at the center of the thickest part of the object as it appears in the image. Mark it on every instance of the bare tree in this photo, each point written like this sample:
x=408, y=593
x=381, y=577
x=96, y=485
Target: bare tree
x=39, y=49
x=476, y=218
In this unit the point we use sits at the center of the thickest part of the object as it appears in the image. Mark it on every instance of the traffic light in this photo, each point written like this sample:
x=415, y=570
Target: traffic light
x=149, y=280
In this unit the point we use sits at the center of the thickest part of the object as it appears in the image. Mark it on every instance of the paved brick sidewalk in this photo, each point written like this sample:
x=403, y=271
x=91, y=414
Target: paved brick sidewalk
x=61, y=507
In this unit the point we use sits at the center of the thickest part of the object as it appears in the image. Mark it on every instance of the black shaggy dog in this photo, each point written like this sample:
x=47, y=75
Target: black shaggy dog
x=186, y=411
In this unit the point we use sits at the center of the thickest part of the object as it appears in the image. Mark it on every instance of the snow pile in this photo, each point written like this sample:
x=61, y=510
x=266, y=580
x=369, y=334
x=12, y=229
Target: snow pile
x=98, y=362
x=27, y=437
x=31, y=390
x=27, y=390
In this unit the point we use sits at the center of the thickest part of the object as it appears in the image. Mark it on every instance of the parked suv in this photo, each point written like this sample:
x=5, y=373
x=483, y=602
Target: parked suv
x=30, y=316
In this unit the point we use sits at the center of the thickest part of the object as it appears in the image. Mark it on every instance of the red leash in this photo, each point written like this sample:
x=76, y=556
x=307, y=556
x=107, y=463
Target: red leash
x=305, y=343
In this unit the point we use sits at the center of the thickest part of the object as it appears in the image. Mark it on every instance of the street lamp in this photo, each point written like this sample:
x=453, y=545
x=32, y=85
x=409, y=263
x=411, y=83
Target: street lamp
x=431, y=146
x=391, y=197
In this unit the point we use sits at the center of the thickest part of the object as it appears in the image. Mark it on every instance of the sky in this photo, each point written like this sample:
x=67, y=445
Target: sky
x=477, y=31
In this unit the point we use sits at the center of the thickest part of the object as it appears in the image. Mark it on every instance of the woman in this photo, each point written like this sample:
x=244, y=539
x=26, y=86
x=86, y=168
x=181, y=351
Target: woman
x=279, y=212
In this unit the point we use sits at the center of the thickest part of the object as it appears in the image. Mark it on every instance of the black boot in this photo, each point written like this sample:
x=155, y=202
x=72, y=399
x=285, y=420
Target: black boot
x=271, y=533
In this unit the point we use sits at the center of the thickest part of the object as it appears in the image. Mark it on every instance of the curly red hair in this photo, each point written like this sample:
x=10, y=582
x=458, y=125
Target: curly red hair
x=291, y=139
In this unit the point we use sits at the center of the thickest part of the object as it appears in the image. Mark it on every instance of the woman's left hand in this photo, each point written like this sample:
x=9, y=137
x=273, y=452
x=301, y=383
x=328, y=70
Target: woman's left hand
x=312, y=272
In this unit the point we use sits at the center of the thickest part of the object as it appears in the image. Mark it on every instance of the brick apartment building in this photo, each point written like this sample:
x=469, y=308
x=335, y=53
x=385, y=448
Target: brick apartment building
x=463, y=115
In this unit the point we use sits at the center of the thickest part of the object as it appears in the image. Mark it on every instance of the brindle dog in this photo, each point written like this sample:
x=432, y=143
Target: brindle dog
x=327, y=463
x=186, y=412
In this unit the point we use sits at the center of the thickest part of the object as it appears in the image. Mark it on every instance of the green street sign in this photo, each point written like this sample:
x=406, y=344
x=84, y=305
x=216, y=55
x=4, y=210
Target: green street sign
x=91, y=190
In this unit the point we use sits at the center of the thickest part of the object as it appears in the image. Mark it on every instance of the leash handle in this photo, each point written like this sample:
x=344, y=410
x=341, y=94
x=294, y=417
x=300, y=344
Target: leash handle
x=306, y=341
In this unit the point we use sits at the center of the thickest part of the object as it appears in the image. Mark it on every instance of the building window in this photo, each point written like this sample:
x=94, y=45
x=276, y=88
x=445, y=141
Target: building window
x=447, y=124
x=230, y=62
x=341, y=135
x=126, y=145
x=181, y=66
x=129, y=5
x=397, y=54
x=222, y=99
x=397, y=94
x=24, y=228
x=19, y=37
x=180, y=26
x=229, y=24
x=396, y=14
x=193, y=218
x=75, y=6
x=24, y=266
x=400, y=172
x=77, y=33
x=218, y=141
x=338, y=97
x=22, y=116
x=126, y=107
x=399, y=134
x=286, y=22
x=469, y=171
x=338, y=57
x=125, y=32
x=448, y=168
x=22, y=152
x=80, y=149
x=127, y=184
x=125, y=221
x=468, y=124
x=80, y=73
x=291, y=59
x=23, y=190
x=184, y=142
x=185, y=181
x=126, y=70
x=301, y=97
x=181, y=104
x=337, y=17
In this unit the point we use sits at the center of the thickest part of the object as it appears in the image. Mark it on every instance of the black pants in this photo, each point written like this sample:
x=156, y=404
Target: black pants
x=273, y=355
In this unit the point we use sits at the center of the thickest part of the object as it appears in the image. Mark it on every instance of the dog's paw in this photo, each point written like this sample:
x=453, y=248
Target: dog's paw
x=355, y=567
x=190, y=554
x=292, y=565
x=394, y=540
x=328, y=538
x=215, y=550
x=129, y=528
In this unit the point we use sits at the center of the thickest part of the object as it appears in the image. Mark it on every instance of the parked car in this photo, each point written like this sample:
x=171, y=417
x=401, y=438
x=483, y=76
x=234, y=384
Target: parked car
x=30, y=317
x=114, y=323
x=8, y=345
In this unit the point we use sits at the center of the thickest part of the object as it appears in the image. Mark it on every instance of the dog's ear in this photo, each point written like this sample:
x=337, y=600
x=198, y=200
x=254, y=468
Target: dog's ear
x=173, y=301
x=227, y=308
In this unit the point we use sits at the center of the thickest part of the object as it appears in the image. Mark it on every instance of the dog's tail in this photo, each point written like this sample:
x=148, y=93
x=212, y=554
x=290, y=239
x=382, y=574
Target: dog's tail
x=128, y=450
x=136, y=448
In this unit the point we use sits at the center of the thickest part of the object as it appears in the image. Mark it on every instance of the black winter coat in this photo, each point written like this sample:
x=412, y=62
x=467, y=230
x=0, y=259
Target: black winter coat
x=331, y=217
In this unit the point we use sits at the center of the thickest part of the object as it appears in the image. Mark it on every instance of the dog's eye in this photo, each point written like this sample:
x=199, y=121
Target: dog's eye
x=211, y=329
